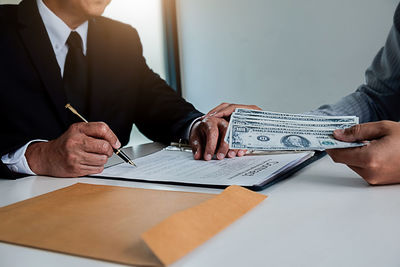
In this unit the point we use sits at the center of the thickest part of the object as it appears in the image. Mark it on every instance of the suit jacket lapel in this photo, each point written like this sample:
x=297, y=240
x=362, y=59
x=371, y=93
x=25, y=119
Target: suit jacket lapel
x=37, y=42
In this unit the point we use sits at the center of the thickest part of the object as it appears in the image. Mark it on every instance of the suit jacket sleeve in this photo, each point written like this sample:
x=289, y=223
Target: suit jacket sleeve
x=160, y=113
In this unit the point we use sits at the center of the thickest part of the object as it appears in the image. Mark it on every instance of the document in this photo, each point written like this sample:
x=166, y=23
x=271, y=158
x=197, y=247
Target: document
x=180, y=167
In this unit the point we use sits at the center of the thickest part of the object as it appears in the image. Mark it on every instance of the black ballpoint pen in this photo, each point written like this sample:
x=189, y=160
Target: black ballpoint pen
x=117, y=152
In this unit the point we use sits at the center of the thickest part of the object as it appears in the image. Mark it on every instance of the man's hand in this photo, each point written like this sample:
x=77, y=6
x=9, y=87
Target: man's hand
x=225, y=110
x=80, y=151
x=207, y=135
x=378, y=161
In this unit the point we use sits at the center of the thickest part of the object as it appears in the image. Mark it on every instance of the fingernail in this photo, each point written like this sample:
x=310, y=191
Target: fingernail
x=118, y=144
x=212, y=114
x=231, y=154
x=208, y=157
x=241, y=153
x=221, y=155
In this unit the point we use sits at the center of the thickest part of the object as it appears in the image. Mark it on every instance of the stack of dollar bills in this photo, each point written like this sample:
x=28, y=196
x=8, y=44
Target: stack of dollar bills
x=273, y=131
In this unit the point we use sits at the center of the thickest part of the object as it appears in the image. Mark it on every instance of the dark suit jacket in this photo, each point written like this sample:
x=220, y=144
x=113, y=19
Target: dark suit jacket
x=123, y=90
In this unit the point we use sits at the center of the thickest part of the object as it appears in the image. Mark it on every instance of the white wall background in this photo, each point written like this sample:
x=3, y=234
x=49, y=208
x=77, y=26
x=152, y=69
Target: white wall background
x=283, y=55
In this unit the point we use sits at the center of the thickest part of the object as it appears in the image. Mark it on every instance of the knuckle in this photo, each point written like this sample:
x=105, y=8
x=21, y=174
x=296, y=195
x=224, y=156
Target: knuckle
x=195, y=142
x=224, y=147
x=103, y=159
x=102, y=128
x=71, y=159
x=74, y=126
x=213, y=134
x=372, y=164
x=69, y=145
x=355, y=130
x=386, y=124
x=99, y=169
x=104, y=147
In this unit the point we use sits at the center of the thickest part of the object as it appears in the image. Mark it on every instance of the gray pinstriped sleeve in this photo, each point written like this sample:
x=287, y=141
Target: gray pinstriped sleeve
x=379, y=97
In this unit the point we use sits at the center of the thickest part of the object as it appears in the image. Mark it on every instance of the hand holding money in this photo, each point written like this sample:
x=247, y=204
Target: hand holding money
x=378, y=161
x=207, y=134
x=224, y=110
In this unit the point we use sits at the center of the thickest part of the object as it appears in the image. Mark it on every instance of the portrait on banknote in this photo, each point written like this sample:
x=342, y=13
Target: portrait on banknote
x=293, y=140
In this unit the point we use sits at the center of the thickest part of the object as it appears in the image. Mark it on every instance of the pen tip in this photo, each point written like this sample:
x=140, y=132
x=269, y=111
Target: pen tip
x=132, y=163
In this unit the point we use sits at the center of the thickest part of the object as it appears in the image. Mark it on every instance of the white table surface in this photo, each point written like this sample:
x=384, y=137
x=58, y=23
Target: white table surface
x=324, y=215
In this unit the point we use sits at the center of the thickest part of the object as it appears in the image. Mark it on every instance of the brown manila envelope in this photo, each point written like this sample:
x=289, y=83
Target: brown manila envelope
x=108, y=222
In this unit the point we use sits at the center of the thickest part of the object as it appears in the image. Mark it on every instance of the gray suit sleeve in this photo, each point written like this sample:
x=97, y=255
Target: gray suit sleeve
x=379, y=97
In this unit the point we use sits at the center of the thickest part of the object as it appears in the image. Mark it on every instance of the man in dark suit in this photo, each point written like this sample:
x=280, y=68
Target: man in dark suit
x=53, y=52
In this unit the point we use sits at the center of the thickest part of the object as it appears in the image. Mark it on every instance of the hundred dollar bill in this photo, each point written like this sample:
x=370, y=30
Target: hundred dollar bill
x=258, y=114
x=281, y=114
x=274, y=138
x=291, y=124
x=311, y=123
x=299, y=127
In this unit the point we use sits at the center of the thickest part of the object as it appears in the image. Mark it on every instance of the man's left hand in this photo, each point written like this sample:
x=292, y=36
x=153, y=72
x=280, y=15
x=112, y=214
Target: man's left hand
x=207, y=134
x=378, y=161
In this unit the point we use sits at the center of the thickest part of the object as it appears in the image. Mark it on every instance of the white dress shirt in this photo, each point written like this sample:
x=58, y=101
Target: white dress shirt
x=58, y=33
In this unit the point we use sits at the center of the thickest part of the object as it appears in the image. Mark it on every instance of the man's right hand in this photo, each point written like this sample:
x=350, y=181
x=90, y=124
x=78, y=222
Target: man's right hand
x=82, y=150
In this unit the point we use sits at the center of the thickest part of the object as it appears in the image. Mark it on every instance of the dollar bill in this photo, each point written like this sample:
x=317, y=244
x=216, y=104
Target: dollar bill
x=275, y=138
x=291, y=124
x=274, y=131
x=293, y=117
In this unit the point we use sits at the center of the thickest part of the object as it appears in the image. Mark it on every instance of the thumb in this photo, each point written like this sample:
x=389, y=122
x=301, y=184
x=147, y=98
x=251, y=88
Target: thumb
x=361, y=132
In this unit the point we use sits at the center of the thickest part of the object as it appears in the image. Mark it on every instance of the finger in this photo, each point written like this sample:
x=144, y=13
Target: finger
x=101, y=130
x=216, y=109
x=98, y=146
x=361, y=132
x=211, y=134
x=228, y=110
x=88, y=170
x=93, y=159
x=232, y=153
x=197, y=147
x=195, y=140
x=223, y=146
x=241, y=152
x=357, y=156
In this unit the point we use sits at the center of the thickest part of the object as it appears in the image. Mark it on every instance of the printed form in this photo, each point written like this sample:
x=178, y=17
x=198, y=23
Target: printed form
x=180, y=167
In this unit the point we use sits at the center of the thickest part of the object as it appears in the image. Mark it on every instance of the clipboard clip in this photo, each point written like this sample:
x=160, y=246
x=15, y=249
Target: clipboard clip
x=179, y=146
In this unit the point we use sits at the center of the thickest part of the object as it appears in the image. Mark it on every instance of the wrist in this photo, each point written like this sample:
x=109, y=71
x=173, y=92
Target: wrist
x=36, y=157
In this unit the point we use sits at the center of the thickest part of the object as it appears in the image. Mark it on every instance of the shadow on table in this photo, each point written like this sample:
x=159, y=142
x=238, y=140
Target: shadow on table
x=332, y=180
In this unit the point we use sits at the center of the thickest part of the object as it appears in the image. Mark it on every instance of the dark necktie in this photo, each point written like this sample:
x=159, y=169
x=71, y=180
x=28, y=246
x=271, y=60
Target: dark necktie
x=76, y=73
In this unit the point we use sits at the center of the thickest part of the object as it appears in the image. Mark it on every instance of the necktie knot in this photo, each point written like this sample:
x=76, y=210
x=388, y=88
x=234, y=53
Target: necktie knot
x=74, y=40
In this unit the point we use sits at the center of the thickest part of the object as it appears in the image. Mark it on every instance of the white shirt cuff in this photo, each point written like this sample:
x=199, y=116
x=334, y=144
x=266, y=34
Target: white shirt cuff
x=16, y=161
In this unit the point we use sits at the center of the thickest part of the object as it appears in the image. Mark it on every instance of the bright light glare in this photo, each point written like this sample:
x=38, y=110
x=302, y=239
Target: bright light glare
x=146, y=17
